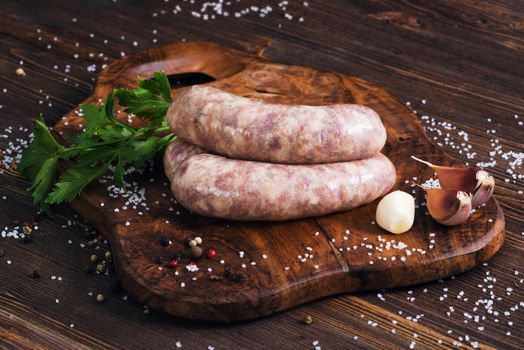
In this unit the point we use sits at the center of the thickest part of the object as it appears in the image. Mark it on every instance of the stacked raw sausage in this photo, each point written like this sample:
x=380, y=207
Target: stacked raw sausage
x=241, y=159
x=241, y=128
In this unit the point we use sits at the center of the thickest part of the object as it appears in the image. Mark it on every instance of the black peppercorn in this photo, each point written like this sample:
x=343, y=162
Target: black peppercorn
x=196, y=252
x=159, y=260
x=165, y=242
x=233, y=275
x=36, y=274
x=88, y=269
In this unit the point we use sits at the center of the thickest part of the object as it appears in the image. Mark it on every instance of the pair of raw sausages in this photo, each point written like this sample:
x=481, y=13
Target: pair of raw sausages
x=272, y=161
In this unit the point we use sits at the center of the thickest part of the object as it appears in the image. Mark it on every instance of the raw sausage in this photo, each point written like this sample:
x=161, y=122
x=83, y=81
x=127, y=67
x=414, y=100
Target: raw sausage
x=213, y=185
x=241, y=128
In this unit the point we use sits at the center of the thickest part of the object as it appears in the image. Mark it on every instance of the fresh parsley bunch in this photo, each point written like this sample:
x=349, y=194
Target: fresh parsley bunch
x=104, y=142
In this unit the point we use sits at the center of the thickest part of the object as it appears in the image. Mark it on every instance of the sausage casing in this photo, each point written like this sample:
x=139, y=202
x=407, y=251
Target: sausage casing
x=242, y=128
x=217, y=186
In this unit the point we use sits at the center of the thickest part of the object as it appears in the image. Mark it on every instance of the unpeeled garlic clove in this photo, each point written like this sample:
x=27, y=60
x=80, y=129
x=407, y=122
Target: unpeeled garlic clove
x=470, y=179
x=396, y=212
x=484, y=188
x=448, y=207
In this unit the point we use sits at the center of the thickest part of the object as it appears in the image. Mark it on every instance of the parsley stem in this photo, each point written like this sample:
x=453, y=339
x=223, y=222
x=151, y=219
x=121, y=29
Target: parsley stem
x=164, y=128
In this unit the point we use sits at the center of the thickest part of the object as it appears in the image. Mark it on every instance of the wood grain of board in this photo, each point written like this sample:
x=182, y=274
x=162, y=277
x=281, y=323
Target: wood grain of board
x=349, y=253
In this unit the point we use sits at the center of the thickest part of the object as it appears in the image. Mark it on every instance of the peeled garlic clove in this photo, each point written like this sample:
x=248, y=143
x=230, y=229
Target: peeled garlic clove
x=396, y=212
x=448, y=207
x=470, y=179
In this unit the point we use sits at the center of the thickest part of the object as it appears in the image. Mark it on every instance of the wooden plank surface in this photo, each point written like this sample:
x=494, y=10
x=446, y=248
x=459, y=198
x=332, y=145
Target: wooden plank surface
x=459, y=63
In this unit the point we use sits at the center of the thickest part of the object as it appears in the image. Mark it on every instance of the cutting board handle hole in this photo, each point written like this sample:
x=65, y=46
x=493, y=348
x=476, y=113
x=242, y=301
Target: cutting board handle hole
x=187, y=79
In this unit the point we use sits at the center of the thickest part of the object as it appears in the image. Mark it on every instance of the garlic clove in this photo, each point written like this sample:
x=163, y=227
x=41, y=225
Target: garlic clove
x=470, y=179
x=448, y=207
x=396, y=212
x=484, y=188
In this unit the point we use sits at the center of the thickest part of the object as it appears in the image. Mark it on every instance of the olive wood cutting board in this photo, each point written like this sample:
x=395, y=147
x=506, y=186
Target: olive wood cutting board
x=264, y=267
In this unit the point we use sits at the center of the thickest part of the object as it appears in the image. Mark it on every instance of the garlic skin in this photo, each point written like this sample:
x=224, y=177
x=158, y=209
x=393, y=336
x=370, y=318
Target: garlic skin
x=483, y=189
x=470, y=179
x=396, y=212
x=448, y=207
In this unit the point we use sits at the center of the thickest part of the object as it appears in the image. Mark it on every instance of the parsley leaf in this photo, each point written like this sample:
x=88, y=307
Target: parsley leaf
x=43, y=181
x=104, y=143
x=74, y=180
x=150, y=100
x=43, y=147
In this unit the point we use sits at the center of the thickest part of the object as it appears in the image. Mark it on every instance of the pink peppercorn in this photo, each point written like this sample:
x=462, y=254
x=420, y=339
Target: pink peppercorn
x=211, y=253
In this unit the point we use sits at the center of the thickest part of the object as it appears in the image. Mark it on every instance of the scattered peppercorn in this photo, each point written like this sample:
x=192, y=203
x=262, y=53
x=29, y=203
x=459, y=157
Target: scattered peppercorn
x=36, y=274
x=176, y=257
x=198, y=240
x=93, y=258
x=108, y=256
x=27, y=230
x=100, y=298
x=173, y=263
x=196, y=251
x=211, y=253
x=27, y=239
x=192, y=243
x=88, y=269
x=233, y=276
x=165, y=242
x=101, y=267
x=159, y=260
x=90, y=243
x=307, y=320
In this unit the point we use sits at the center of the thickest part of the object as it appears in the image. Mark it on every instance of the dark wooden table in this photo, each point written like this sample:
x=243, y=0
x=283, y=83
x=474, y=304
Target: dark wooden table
x=460, y=65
